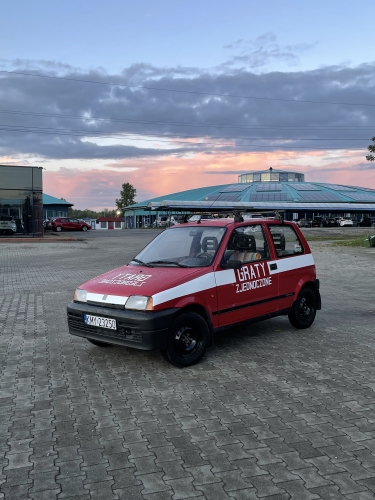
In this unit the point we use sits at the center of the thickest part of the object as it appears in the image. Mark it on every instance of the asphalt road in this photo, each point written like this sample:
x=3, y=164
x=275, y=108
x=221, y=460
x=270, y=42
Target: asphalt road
x=270, y=412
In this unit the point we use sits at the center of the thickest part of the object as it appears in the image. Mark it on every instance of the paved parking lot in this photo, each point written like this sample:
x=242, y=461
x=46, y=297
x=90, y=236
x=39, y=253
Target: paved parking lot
x=271, y=412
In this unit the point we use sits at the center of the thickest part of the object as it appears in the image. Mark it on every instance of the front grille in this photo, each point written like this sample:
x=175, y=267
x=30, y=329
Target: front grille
x=124, y=330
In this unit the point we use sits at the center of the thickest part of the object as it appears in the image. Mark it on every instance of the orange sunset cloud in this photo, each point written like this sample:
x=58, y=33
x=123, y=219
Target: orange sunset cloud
x=98, y=188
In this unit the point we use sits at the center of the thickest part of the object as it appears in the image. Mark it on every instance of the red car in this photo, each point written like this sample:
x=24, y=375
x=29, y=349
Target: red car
x=68, y=224
x=197, y=278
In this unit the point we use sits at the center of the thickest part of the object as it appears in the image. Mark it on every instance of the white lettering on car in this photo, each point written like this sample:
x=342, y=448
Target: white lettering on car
x=127, y=279
x=252, y=276
x=251, y=285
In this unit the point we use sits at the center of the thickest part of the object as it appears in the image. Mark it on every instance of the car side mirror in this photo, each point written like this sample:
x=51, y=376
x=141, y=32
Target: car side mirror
x=232, y=264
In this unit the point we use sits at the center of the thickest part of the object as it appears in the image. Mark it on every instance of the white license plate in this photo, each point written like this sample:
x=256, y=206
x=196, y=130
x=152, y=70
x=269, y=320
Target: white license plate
x=98, y=321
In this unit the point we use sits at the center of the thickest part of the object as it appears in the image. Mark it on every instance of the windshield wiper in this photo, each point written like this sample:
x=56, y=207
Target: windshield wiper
x=141, y=263
x=168, y=262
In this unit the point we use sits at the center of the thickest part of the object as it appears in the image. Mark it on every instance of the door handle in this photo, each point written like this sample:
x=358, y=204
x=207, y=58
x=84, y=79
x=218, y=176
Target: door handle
x=273, y=267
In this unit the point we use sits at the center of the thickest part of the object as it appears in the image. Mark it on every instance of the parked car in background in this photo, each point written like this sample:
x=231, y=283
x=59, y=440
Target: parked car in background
x=160, y=222
x=68, y=224
x=345, y=221
x=329, y=222
x=304, y=223
x=197, y=217
x=7, y=225
x=365, y=222
x=253, y=216
x=20, y=226
x=47, y=224
x=317, y=222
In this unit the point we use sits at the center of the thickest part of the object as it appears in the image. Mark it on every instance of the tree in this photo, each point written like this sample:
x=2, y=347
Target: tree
x=90, y=214
x=127, y=196
x=371, y=148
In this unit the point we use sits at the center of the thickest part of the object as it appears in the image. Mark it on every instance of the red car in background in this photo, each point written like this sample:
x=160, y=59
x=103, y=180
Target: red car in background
x=68, y=224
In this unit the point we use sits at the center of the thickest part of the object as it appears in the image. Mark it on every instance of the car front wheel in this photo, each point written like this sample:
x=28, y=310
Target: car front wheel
x=59, y=229
x=187, y=341
x=303, y=311
x=84, y=228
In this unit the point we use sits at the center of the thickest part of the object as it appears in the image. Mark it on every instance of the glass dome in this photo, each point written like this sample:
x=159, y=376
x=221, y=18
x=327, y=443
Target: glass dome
x=271, y=176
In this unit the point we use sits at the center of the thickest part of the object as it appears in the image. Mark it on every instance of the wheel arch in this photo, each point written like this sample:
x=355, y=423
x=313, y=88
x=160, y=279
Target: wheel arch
x=314, y=286
x=198, y=309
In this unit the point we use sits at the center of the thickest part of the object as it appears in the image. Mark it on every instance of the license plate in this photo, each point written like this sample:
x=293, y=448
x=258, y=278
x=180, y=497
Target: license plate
x=99, y=321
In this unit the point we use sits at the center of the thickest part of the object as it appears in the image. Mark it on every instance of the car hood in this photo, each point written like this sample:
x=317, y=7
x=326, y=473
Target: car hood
x=137, y=280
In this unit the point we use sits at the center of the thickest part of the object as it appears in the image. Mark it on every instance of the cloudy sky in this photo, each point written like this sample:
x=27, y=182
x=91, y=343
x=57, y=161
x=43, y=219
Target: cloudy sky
x=173, y=95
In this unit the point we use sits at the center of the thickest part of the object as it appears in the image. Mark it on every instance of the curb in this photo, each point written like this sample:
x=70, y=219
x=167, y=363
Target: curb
x=36, y=240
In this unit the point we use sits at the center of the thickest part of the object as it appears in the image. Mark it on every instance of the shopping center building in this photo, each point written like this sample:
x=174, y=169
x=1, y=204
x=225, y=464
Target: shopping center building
x=264, y=190
x=22, y=199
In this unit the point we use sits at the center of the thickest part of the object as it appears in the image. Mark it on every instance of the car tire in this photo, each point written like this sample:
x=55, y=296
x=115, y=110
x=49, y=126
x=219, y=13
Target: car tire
x=84, y=228
x=58, y=229
x=187, y=340
x=303, y=310
x=98, y=343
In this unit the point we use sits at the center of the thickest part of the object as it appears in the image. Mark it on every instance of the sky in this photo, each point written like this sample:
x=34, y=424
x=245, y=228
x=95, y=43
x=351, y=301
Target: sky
x=175, y=95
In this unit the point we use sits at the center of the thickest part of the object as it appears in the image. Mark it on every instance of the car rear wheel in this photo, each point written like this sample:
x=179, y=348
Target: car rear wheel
x=84, y=228
x=303, y=311
x=187, y=341
x=98, y=343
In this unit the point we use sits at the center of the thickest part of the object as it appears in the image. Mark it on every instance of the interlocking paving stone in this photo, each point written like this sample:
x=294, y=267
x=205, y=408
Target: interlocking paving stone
x=312, y=478
x=270, y=412
x=44, y=481
x=44, y=495
x=298, y=491
x=174, y=470
x=265, y=486
x=101, y=490
x=153, y=483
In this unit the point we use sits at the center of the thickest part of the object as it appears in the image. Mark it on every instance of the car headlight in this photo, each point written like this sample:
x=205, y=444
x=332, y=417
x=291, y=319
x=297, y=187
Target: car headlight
x=139, y=303
x=80, y=295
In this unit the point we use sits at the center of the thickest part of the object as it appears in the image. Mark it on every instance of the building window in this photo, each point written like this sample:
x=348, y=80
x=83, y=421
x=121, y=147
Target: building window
x=118, y=224
x=103, y=225
x=283, y=177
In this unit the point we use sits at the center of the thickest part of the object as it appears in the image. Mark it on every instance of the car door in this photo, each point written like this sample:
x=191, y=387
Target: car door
x=248, y=291
x=74, y=224
x=294, y=263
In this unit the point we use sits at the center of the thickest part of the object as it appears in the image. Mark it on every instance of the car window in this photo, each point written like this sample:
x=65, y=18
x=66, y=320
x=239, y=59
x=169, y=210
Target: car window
x=247, y=244
x=285, y=240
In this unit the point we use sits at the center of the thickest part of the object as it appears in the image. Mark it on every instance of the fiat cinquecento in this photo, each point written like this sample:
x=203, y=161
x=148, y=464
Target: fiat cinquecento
x=196, y=278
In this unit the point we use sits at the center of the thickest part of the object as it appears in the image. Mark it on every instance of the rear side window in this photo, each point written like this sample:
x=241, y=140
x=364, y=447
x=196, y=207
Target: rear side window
x=286, y=241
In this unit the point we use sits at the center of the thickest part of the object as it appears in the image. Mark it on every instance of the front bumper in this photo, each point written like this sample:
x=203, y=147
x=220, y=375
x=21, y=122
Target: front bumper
x=146, y=330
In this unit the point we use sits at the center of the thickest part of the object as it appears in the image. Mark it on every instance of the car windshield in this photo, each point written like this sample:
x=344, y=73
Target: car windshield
x=182, y=247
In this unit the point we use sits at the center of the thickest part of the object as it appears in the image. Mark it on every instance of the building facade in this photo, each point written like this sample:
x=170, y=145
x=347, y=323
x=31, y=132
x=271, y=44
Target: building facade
x=21, y=197
x=55, y=207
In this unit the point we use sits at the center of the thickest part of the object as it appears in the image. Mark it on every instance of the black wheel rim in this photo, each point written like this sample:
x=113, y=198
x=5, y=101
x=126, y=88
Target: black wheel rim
x=187, y=341
x=305, y=309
